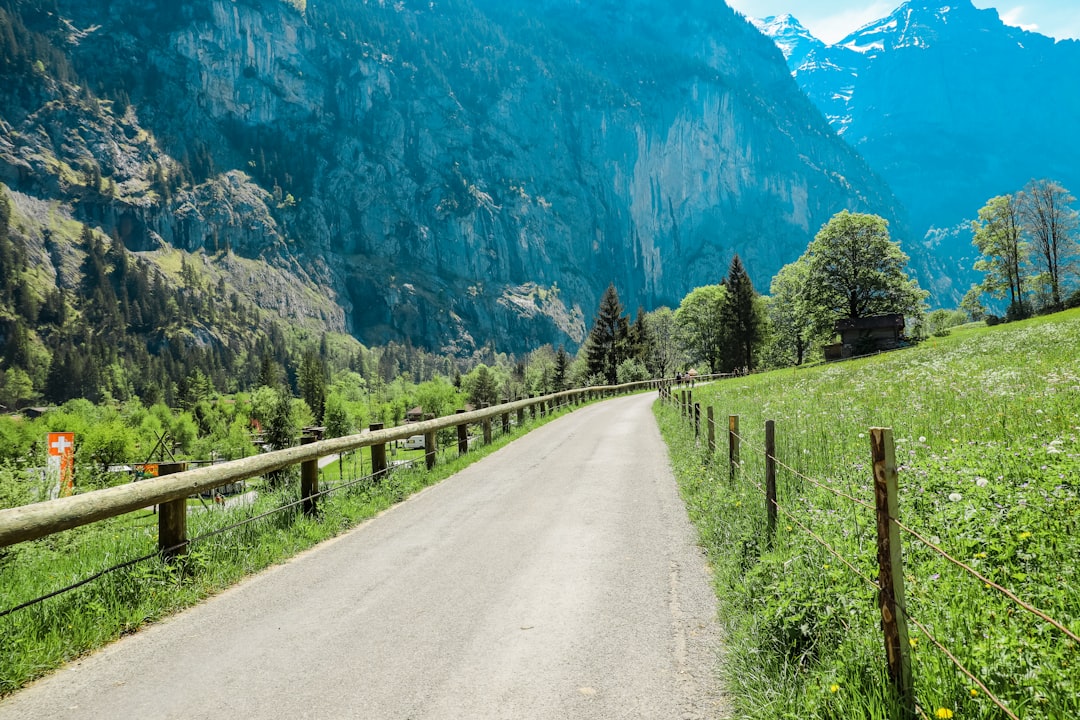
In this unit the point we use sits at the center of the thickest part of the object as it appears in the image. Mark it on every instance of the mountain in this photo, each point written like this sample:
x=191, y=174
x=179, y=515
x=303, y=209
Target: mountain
x=950, y=105
x=453, y=174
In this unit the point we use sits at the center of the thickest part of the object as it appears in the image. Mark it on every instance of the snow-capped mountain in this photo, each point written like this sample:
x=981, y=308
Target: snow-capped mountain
x=950, y=105
x=795, y=41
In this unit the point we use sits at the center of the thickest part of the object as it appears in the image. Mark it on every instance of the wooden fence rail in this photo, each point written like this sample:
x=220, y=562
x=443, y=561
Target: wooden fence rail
x=31, y=522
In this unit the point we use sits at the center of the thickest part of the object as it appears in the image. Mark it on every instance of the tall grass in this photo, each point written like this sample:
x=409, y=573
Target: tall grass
x=37, y=639
x=987, y=423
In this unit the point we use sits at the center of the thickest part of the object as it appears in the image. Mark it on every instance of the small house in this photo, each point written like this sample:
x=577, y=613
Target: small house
x=867, y=335
x=414, y=415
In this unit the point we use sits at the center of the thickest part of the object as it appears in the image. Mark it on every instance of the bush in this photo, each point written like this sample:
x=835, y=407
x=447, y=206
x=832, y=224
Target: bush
x=1073, y=301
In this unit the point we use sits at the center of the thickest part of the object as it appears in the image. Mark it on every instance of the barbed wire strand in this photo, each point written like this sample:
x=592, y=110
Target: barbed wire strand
x=166, y=551
x=77, y=585
x=818, y=539
x=989, y=583
x=410, y=464
x=818, y=483
x=1012, y=596
x=934, y=547
x=993, y=698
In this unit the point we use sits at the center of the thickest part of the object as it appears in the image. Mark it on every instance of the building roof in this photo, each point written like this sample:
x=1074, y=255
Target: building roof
x=874, y=321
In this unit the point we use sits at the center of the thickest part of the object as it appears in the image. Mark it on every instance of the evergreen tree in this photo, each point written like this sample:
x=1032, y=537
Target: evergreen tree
x=603, y=349
x=485, y=390
x=280, y=430
x=740, y=316
x=562, y=366
x=312, y=380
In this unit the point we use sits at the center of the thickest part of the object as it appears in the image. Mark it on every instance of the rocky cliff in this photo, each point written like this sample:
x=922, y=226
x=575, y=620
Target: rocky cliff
x=454, y=173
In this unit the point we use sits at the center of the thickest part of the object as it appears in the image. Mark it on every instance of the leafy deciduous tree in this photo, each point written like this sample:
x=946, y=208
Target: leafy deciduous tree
x=1051, y=223
x=855, y=270
x=999, y=237
x=700, y=318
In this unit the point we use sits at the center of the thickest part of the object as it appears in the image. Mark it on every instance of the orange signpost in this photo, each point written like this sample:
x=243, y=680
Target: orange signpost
x=61, y=447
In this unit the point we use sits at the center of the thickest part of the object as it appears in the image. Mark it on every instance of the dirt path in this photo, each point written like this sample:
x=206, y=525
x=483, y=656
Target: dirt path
x=558, y=578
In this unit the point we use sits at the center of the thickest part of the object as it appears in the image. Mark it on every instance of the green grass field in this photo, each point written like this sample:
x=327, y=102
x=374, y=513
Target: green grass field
x=986, y=423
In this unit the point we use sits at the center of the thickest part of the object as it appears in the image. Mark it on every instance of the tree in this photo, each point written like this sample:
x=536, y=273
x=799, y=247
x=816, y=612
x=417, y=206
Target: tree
x=336, y=417
x=665, y=352
x=791, y=323
x=609, y=330
x=562, y=366
x=740, y=315
x=312, y=381
x=484, y=389
x=999, y=237
x=855, y=270
x=972, y=304
x=1051, y=224
x=279, y=429
x=639, y=341
x=700, y=319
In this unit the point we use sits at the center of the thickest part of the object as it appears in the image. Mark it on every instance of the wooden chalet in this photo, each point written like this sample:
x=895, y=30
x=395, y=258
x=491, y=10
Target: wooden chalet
x=864, y=336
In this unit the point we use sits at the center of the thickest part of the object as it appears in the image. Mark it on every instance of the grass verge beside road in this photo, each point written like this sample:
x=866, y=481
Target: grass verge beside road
x=987, y=427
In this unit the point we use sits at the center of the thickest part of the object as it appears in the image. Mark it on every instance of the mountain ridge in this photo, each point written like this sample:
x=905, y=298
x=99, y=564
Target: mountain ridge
x=951, y=107
x=454, y=175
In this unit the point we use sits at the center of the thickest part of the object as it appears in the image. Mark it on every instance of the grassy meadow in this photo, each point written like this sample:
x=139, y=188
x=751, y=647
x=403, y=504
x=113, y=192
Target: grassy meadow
x=39, y=638
x=987, y=429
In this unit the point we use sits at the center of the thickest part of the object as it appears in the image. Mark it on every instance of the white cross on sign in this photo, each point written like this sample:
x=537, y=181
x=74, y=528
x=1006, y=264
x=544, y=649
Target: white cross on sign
x=60, y=443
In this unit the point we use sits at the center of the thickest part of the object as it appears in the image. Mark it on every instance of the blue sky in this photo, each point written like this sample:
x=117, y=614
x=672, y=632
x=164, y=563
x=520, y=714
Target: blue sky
x=830, y=20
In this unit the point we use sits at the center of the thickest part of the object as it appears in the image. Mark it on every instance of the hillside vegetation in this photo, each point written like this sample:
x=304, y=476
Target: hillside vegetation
x=987, y=428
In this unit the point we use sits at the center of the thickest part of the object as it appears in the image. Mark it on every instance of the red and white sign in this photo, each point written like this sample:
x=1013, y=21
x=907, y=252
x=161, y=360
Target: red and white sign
x=61, y=448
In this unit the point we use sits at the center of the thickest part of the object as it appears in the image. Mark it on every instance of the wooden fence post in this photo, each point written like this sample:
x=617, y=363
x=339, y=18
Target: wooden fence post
x=521, y=416
x=486, y=425
x=309, y=473
x=462, y=436
x=733, y=445
x=532, y=407
x=430, y=445
x=697, y=420
x=770, y=480
x=378, y=456
x=712, y=429
x=172, y=518
x=891, y=596
x=506, y=422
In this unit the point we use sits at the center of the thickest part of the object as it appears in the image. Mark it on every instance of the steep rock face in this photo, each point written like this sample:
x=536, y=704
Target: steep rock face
x=455, y=173
x=951, y=106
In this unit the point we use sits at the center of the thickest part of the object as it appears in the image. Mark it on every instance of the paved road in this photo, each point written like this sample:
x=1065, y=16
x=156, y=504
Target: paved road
x=557, y=578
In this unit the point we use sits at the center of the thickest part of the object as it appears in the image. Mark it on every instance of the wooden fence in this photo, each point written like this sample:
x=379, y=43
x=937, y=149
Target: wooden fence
x=889, y=584
x=177, y=483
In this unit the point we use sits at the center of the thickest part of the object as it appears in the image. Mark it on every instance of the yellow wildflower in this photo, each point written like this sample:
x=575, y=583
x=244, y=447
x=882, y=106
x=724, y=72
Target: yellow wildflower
x=943, y=713
x=974, y=692
x=834, y=688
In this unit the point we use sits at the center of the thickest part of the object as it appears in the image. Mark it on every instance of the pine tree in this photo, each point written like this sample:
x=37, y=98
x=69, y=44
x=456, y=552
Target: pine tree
x=603, y=344
x=312, y=381
x=740, y=316
x=562, y=366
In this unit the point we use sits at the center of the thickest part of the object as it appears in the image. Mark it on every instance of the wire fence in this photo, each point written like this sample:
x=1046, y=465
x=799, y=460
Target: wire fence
x=738, y=443
x=508, y=428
